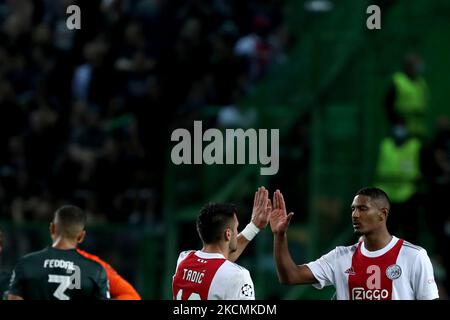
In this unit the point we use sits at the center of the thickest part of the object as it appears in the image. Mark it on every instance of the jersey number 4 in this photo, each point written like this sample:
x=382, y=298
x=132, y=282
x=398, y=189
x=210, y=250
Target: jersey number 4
x=192, y=296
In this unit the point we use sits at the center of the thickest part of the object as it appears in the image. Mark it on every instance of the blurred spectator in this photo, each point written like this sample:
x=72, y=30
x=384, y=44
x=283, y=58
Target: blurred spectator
x=255, y=48
x=407, y=97
x=398, y=174
x=85, y=115
x=436, y=170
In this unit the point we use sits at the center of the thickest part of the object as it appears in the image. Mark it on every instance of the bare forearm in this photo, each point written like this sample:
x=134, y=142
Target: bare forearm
x=286, y=267
x=288, y=271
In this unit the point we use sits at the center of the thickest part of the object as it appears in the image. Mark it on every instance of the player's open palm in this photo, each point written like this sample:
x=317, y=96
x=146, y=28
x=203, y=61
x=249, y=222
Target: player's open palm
x=261, y=208
x=279, y=219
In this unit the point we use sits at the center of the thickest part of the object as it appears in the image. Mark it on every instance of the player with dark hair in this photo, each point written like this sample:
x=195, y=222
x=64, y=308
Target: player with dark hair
x=209, y=273
x=60, y=272
x=380, y=267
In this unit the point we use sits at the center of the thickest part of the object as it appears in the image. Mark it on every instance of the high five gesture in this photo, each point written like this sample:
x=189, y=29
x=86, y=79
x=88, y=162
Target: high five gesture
x=279, y=219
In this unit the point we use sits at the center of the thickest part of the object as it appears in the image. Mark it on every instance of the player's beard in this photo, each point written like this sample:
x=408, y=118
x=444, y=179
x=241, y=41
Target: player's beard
x=359, y=233
x=359, y=230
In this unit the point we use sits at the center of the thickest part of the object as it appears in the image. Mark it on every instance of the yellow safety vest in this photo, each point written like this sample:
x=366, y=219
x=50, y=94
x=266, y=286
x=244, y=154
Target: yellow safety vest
x=411, y=102
x=398, y=168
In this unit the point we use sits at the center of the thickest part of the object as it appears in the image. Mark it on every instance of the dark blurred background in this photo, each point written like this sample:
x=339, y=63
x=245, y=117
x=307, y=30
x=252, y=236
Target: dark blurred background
x=86, y=117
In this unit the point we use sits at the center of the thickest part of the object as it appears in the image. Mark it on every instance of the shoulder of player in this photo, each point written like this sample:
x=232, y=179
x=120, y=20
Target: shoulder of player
x=183, y=255
x=229, y=267
x=33, y=255
x=413, y=254
x=343, y=250
x=90, y=261
x=93, y=257
x=412, y=247
x=412, y=251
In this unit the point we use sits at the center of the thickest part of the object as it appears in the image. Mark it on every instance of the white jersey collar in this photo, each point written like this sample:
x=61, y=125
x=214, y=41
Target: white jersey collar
x=380, y=252
x=207, y=255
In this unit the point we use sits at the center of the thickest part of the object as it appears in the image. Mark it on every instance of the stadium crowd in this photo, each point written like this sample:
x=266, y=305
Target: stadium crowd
x=85, y=114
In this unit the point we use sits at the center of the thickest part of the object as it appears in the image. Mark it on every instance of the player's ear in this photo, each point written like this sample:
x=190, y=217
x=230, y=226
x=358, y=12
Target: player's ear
x=382, y=215
x=227, y=234
x=81, y=236
x=52, y=229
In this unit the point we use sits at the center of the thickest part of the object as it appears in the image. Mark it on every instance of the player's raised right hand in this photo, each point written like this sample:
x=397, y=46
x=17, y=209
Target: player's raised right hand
x=279, y=219
x=261, y=208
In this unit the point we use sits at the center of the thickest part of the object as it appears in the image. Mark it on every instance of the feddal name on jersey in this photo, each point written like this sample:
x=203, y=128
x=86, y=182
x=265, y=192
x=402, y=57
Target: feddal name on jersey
x=57, y=263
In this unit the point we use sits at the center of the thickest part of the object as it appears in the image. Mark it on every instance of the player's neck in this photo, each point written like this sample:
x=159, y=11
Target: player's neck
x=64, y=244
x=216, y=248
x=377, y=241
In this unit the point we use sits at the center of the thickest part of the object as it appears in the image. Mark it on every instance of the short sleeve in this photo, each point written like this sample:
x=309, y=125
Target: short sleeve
x=241, y=286
x=323, y=269
x=183, y=255
x=120, y=288
x=103, y=286
x=16, y=285
x=424, y=285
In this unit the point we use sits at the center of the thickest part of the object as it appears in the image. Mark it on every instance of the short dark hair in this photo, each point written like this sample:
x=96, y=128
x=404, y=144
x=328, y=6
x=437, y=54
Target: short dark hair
x=375, y=194
x=213, y=219
x=70, y=220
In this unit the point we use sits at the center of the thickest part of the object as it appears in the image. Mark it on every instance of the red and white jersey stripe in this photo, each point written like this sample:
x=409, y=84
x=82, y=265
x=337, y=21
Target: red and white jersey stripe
x=399, y=271
x=209, y=276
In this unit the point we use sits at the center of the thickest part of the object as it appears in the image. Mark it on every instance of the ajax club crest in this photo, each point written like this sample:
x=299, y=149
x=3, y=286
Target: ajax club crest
x=393, y=271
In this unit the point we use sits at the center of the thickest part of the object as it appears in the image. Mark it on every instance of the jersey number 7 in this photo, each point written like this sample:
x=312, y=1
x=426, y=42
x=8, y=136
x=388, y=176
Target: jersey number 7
x=64, y=284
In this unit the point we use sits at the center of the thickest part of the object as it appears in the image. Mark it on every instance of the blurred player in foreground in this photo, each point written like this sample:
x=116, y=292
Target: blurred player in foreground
x=380, y=267
x=120, y=288
x=210, y=274
x=60, y=272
